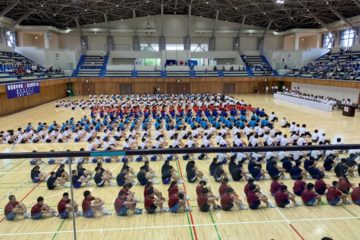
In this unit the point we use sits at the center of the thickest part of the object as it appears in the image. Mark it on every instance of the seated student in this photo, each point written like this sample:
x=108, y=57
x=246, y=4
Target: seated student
x=125, y=177
x=284, y=198
x=223, y=186
x=355, y=195
x=14, y=210
x=228, y=199
x=201, y=186
x=152, y=202
x=168, y=173
x=250, y=182
x=296, y=171
x=60, y=172
x=236, y=170
x=83, y=171
x=104, y=171
x=320, y=185
x=344, y=185
x=205, y=200
x=53, y=181
x=254, y=198
x=92, y=206
x=255, y=170
x=273, y=170
x=177, y=203
x=334, y=195
x=41, y=210
x=275, y=185
x=309, y=197
x=149, y=170
x=101, y=178
x=219, y=173
x=192, y=172
x=329, y=162
x=143, y=177
x=150, y=187
x=284, y=123
x=36, y=175
x=212, y=167
x=79, y=181
x=65, y=207
x=341, y=170
x=125, y=205
x=314, y=171
x=299, y=186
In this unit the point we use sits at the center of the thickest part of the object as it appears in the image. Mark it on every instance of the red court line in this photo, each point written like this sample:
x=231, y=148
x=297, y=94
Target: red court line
x=26, y=195
x=191, y=217
x=297, y=232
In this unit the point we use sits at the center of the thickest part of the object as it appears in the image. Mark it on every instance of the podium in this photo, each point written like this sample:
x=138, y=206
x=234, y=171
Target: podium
x=348, y=111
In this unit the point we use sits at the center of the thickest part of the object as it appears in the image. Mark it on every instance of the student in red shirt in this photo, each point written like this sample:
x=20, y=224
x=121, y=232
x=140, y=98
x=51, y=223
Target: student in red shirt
x=355, y=195
x=125, y=205
x=248, y=184
x=150, y=187
x=92, y=205
x=205, y=201
x=320, y=185
x=228, y=199
x=151, y=203
x=334, y=195
x=224, y=186
x=254, y=198
x=299, y=186
x=177, y=203
x=309, y=197
x=14, y=209
x=345, y=185
x=65, y=207
x=284, y=198
x=41, y=210
x=275, y=185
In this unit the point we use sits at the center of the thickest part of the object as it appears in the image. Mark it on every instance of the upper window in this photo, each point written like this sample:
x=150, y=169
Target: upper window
x=10, y=39
x=175, y=47
x=328, y=40
x=347, y=38
x=153, y=47
x=199, y=47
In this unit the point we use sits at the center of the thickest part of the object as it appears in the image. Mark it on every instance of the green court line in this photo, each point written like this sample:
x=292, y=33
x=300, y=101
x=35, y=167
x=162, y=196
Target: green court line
x=58, y=229
x=215, y=226
x=187, y=214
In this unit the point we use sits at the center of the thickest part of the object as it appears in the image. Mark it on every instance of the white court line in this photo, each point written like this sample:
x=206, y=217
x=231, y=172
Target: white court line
x=178, y=226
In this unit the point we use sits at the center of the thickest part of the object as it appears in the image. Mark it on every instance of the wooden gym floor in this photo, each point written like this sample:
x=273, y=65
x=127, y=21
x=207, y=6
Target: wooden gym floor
x=296, y=223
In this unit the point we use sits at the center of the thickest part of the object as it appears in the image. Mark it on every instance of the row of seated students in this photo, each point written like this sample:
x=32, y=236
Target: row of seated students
x=126, y=203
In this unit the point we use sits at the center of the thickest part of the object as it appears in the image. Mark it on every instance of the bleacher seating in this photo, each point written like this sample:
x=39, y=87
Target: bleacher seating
x=342, y=65
x=91, y=66
x=258, y=65
x=12, y=62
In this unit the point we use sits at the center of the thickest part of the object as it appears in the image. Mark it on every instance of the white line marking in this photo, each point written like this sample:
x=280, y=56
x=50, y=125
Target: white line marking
x=178, y=226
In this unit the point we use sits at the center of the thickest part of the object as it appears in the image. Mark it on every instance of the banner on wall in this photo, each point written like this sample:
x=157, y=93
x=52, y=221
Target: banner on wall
x=17, y=90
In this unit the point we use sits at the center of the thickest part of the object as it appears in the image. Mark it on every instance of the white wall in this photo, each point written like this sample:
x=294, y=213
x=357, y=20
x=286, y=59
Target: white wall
x=335, y=92
x=64, y=59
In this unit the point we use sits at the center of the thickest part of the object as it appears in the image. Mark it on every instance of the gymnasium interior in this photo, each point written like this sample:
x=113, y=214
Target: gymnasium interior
x=237, y=92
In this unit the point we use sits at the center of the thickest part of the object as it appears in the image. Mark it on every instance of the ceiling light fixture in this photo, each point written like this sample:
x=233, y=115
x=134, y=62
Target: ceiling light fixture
x=280, y=1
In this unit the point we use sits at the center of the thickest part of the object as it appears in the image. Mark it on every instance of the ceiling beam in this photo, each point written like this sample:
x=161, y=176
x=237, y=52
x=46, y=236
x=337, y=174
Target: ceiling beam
x=357, y=2
x=215, y=22
x=318, y=20
x=241, y=26
x=23, y=17
x=8, y=8
x=340, y=16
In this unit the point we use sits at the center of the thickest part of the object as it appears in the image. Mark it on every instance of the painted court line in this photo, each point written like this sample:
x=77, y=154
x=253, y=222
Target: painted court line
x=287, y=221
x=188, y=213
x=178, y=226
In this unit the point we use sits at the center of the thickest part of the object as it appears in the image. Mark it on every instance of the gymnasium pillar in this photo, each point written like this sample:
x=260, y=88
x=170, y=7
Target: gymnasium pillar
x=212, y=43
x=136, y=43
x=47, y=37
x=84, y=44
x=162, y=43
x=110, y=44
x=187, y=43
x=236, y=44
